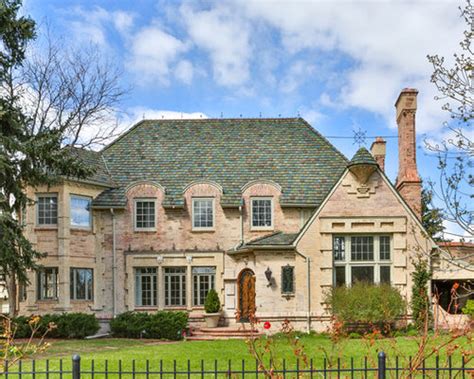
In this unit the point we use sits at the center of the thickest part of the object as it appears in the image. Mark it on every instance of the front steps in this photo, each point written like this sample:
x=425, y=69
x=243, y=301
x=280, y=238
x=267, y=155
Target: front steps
x=223, y=333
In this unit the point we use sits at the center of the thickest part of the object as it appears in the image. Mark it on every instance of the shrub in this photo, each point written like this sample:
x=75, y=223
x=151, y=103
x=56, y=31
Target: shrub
x=212, y=303
x=366, y=306
x=167, y=325
x=160, y=325
x=130, y=324
x=469, y=308
x=68, y=325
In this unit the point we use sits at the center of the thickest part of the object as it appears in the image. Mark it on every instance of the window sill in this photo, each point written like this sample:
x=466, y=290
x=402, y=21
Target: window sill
x=46, y=301
x=46, y=227
x=203, y=230
x=148, y=230
x=81, y=228
x=262, y=229
x=80, y=301
x=288, y=295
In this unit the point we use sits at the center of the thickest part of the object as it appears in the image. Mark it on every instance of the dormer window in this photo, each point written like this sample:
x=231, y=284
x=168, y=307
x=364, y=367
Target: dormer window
x=145, y=214
x=203, y=213
x=262, y=213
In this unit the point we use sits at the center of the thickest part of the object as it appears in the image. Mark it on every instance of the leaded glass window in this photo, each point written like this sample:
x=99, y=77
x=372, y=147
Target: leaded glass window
x=47, y=209
x=48, y=283
x=145, y=214
x=384, y=247
x=82, y=280
x=288, y=279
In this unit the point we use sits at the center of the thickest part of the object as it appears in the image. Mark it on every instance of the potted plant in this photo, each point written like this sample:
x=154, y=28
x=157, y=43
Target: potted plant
x=212, y=307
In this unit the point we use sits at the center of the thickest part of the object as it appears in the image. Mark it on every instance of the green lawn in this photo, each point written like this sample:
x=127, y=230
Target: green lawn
x=127, y=350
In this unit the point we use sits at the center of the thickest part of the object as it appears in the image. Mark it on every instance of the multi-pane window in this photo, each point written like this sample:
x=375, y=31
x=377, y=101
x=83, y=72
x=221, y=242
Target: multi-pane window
x=204, y=279
x=362, y=248
x=203, y=213
x=47, y=209
x=175, y=286
x=262, y=213
x=288, y=279
x=145, y=287
x=384, y=247
x=48, y=283
x=80, y=211
x=361, y=258
x=145, y=214
x=82, y=280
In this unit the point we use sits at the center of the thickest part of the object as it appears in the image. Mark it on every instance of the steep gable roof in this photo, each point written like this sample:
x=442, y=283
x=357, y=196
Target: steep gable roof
x=231, y=152
x=94, y=160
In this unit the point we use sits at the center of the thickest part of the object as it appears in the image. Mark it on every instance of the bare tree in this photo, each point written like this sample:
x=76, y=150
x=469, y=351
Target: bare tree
x=455, y=153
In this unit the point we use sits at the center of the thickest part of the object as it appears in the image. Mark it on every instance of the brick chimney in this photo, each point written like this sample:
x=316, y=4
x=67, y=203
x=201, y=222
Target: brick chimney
x=408, y=181
x=378, y=150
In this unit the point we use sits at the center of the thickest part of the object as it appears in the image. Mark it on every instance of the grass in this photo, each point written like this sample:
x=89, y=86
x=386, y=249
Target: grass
x=315, y=347
x=97, y=351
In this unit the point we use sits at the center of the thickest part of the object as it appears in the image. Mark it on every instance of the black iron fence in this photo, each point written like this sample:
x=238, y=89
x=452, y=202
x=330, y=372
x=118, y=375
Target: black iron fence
x=156, y=369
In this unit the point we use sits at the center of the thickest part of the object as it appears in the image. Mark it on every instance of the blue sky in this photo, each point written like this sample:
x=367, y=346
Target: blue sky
x=340, y=65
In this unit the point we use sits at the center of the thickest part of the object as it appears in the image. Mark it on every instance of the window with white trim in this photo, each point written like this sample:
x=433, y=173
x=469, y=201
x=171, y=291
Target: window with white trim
x=48, y=283
x=175, y=286
x=361, y=258
x=47, y=209
x=80, y=211
x=82, y=282
x=262, y=213
x=145, y=214
x=204, y=279
x=203, y=213
x=146, y=280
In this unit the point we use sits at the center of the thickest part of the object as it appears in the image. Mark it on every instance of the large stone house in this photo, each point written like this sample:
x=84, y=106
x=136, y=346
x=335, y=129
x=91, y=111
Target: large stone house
x=266, y=211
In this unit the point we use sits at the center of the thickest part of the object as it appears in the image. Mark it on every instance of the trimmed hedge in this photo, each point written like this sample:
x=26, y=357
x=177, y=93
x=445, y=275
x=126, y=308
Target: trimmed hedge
x=160, y=325
x=68, y=325
x=366, y=306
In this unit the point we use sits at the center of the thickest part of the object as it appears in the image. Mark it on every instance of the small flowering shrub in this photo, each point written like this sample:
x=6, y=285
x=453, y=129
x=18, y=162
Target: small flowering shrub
x=469, y=308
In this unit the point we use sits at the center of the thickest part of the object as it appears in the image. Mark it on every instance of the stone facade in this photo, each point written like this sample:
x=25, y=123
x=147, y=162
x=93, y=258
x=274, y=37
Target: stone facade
x=362, y=203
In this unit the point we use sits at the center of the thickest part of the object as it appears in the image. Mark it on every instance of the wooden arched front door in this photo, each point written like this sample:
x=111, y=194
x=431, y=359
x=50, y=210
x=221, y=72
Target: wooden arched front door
x=246, y=293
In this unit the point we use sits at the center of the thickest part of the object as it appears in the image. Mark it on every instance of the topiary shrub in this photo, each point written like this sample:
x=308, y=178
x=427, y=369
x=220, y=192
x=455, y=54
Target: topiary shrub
x=365, y=307
x=212, y=304
x=130, y=324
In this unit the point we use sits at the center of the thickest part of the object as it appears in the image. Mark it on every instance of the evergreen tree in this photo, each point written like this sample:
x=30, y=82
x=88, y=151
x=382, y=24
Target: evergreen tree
x=431, y=217
x=26, y=159
x=420, y=301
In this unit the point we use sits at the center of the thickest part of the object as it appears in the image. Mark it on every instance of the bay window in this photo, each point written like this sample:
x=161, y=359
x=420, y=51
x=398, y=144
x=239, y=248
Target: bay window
x=145, y=286
x=175, y=286
x=362, y=258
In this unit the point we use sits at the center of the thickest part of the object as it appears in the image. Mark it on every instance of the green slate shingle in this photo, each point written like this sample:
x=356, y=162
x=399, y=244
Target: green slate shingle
x=230, y=152
x=93, y=159
x=362, y=156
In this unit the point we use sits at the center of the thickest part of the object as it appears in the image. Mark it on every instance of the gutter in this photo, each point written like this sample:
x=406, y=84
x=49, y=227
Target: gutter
x=114, y=265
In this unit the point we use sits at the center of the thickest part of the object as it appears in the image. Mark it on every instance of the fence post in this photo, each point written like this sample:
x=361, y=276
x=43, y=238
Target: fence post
x=76, y=366
x=382, y=366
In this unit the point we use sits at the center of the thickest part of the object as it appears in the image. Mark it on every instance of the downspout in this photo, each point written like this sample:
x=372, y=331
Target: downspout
x=308, y=272
x=114, y=266
x=241, y=210
x=308, y=285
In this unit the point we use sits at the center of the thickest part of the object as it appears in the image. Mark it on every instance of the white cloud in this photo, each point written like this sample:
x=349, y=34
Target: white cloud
x=388, y=42
x=296, y=75
x=153, y=53
x=184, y=71
x=135, y=114
x=226, y=37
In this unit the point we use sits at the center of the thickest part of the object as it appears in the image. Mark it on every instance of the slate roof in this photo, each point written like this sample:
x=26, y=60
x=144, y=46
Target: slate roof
x=94, y=160
x=362, y=156
x=231, y=152
x=274, y=239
